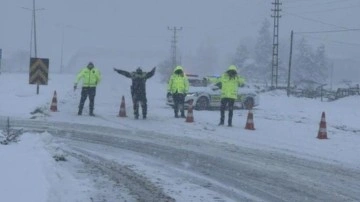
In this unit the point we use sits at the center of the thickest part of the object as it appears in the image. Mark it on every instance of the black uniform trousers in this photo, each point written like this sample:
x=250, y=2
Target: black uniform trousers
x=139, y=99
x=230, y=103
x=179, y=99
x=85, y=92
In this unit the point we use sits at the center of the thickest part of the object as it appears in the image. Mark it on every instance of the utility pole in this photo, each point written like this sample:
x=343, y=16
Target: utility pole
x=62, y=50
x=174, y=45
x=34, y=20
x=0, y=59
x=33, y=34
x=275, y=55
x=290, y=58
x=33, y=37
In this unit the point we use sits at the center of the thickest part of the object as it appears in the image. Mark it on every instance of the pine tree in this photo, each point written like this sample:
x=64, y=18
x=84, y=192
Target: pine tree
x=242, y=60
x=303, y=64
x=321, y=63
x=263, y=52
x=310, y=66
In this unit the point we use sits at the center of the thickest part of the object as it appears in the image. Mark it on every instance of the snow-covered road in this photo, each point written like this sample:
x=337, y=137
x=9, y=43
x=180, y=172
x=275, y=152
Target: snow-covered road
x=229, y=172
x=162, y=158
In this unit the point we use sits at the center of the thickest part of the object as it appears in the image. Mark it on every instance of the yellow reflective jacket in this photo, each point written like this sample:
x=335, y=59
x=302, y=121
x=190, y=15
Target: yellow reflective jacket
x=229, y=86
x=178, y=83
x=89, y=77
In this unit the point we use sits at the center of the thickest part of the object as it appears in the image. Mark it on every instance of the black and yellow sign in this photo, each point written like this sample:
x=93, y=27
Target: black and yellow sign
x=39, y=71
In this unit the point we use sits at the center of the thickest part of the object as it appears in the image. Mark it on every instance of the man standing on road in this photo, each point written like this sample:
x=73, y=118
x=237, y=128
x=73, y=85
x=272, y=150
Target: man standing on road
x=90, y=77
x=229, y=83
x=138, y=88
x=178, y=87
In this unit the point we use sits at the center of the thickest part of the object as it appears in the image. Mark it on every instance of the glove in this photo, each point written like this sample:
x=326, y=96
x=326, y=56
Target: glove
x=75, y=86
x=168, y=94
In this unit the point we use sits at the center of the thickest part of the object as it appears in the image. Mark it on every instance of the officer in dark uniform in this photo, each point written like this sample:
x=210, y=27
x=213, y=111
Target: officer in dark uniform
x=138, y=88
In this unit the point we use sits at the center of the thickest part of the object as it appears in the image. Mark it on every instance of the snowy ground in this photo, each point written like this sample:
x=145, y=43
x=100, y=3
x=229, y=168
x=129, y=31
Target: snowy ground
x=110, y=158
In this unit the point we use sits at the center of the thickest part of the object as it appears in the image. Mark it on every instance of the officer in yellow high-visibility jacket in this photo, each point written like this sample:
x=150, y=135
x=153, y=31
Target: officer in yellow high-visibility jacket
x=90, y=77
x=229, y=83
x=178, y=87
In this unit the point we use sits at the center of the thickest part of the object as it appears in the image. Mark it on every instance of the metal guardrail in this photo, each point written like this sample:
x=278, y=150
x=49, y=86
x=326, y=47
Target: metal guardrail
x=322, y=93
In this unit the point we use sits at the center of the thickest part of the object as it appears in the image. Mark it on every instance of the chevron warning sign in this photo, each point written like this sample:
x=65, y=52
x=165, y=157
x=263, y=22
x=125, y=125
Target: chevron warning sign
x=39, y=71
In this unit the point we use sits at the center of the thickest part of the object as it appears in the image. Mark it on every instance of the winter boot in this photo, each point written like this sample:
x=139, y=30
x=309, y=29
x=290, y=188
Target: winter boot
x=176, y=113
x=182, y=114
x=229, y=123
x=91, y=113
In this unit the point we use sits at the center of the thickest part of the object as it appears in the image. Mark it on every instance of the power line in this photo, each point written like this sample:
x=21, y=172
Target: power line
x=315, y=4
x=333, y=41
x=317, y=21
x=329, y=31
x=332, y=9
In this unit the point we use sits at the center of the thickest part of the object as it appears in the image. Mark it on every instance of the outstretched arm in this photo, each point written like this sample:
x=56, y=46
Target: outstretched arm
x=122, y=72
x=151, y=73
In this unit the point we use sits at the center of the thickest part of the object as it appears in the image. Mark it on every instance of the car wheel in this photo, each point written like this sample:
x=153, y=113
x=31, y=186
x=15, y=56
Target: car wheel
x=249, y=103
x=202, y=103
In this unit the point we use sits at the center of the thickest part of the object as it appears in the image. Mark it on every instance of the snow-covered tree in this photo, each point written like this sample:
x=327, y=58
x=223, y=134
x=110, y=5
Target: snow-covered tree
x=321, y=64
x=263, y=52
x=303, y=63
x=242, y=54
x=309, y=66
x=242, y=59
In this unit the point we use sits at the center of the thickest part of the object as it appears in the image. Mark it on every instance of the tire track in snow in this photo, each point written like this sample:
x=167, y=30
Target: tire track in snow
x=261, y=175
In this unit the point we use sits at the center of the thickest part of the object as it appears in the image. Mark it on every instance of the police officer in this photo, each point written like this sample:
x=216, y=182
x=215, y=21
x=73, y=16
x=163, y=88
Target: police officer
x=178, y=87
x=138, y=88
x=229, y=83
x=90, y=77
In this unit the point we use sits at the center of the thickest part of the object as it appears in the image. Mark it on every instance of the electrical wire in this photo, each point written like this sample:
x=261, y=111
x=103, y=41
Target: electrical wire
x=313, y=20
x=334, y=41
x=329, y=31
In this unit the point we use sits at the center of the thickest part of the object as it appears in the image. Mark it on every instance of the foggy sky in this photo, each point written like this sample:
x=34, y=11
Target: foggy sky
x=136, y=30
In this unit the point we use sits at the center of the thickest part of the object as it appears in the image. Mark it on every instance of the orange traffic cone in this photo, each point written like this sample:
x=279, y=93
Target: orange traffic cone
x=189, y=115
x=250, y=122
x=53, y=106
x=122, y=112
x=322, y=134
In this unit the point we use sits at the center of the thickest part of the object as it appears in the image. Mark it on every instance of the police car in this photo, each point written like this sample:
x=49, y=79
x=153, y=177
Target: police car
x=205, y=96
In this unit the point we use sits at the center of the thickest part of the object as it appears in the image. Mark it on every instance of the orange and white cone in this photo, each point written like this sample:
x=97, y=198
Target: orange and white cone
x=53, y=106
x=250, y=121
x=189, y=115
x=322, y=134
x=122, y=112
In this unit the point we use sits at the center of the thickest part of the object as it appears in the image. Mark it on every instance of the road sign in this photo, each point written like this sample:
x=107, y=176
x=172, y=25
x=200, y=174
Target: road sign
x=39, y=71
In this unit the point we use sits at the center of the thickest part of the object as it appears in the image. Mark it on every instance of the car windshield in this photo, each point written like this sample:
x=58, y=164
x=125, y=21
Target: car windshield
x=196, y=82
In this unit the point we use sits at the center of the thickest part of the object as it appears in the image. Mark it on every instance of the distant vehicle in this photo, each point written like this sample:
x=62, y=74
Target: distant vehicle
x=208, y=97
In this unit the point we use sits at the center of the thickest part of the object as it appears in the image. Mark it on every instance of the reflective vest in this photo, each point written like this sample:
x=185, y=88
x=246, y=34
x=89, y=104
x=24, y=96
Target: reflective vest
x=89, y=77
